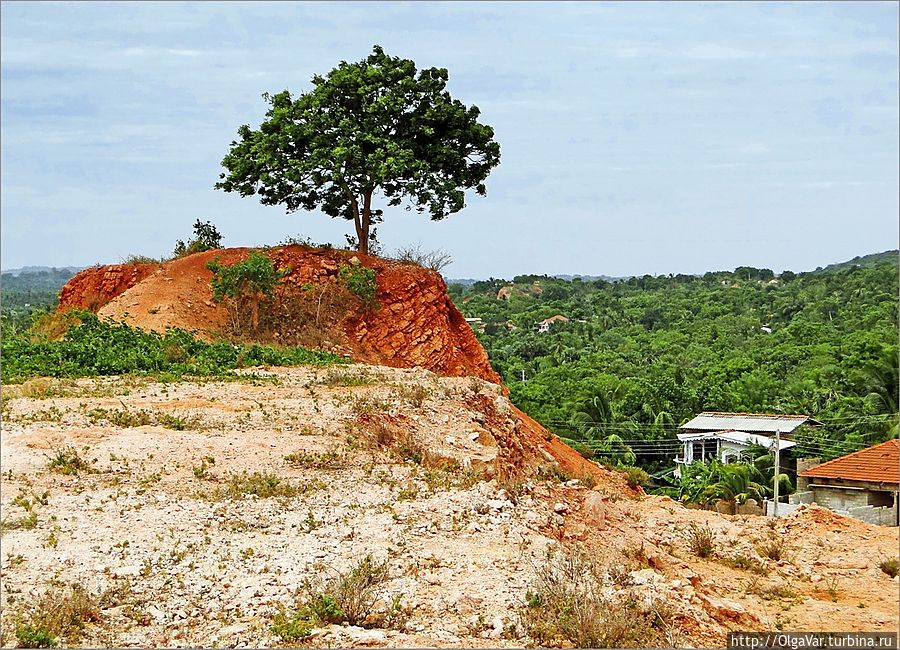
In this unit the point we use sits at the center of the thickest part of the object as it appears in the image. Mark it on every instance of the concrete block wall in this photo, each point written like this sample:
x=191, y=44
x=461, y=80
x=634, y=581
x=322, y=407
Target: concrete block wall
x=802, y=497
x=883, y=516
x=839, y=498
x=783, y=508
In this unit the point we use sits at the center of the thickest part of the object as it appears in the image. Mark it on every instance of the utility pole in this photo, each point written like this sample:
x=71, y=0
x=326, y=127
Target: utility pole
x=777, y=467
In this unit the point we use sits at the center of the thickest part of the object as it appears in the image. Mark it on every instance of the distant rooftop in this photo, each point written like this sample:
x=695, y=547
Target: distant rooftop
x=753, y=422
x=878, y=464
x=740, y=437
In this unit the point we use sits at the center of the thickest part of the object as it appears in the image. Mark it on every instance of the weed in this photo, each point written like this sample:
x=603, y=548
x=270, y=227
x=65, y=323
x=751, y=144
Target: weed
x=363, y=406
x=435, y=260
x=360, y=281
x=27, y=522
x=348, y=597
x=701, y=541
x=553, y=473
x=67, y=461
x=772, y=549
x=262, y=485
x=831, y=586
x=347, y=377
x=414, y=395
x=635, y=477
x=747, y=563
x=331, y=459
x=568, y=604
x=59, y=615
x=890, y=566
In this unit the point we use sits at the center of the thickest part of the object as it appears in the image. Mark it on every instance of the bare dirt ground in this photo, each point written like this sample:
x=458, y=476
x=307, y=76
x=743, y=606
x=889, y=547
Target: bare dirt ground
x=164, y=523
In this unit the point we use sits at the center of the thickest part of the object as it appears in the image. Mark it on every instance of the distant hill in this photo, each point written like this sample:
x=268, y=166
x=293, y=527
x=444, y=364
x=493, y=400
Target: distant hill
x=863, y=261
x=30, y=270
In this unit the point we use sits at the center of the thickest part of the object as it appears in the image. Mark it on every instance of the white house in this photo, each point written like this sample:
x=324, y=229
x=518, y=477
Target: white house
x=725, y=436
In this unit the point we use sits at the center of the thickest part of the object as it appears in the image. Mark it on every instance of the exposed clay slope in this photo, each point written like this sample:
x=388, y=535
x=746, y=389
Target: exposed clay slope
x=416, y=325
x=95, y=286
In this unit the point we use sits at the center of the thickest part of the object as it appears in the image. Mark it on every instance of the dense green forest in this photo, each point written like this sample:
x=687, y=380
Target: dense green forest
x=29, y=292
x=638, y=357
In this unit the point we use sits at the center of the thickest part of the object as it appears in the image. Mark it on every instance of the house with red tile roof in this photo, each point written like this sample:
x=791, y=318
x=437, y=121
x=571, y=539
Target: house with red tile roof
x=863, y=485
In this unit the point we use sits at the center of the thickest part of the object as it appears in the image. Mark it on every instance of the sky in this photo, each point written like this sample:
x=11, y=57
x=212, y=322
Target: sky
x=635, y=138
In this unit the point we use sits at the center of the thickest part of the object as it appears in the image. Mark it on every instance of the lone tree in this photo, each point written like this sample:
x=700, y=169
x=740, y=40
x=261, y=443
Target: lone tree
x=366, y=129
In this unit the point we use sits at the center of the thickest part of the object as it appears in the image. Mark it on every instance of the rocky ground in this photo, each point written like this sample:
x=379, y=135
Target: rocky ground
x=201, y=509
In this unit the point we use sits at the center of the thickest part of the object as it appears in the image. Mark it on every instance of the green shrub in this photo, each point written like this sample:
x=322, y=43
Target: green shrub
x=292, y=626
x=360, y=281
x=890, y=566
x=206, y=237
x=93, y=347
x=635, y=476
x=253, y=276
x=66, y=460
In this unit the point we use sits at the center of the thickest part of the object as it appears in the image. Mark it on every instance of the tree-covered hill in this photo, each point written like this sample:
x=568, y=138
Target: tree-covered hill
x=638, y=357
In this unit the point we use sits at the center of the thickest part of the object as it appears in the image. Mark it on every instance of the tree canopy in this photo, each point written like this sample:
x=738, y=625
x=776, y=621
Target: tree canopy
x=370, y=129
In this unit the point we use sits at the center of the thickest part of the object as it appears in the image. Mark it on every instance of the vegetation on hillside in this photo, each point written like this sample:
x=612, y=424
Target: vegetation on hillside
x=91, y=347
x=637, y=358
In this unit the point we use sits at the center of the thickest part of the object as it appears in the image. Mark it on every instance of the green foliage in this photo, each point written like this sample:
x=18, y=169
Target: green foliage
x=368, y=128
x=206, y=237
x=93, y=347
x=640, y=356
x=30, y=636
x=360, y=281
x=253, y=276
x=635, y=476
x=292, y=625
x=68, y=461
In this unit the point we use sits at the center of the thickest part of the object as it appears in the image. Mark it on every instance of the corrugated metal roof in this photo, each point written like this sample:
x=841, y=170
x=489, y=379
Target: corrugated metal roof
x=766, y=423
x=740, y=437
x=878, y=464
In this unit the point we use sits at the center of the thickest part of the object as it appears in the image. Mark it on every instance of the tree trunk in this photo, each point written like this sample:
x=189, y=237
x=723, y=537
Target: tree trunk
x=365, y=222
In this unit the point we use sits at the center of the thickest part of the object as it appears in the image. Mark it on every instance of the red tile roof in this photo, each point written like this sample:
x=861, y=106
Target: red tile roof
x=878, y=464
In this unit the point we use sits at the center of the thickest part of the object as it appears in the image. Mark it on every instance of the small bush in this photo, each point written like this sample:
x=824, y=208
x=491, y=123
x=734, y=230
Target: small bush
x=436, y=260
x=569, y=604
x=773, y=549
x=331, y=459
x=746, y=563
x=346, y=597
x=636, y=477
x=292, y=626
x=360, y=281
x=263, y=485
x=206, y=237
x=59, y=615
x=245, y=287
x=701, y=541
x=67, y=461
x=890, y=566
x=347, y=377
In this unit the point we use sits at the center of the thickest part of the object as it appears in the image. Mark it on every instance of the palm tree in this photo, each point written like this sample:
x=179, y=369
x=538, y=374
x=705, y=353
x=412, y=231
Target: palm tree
x=736, y=483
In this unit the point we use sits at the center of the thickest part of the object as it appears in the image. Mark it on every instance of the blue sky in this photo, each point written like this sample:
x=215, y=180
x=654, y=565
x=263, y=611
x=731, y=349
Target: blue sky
x=636, y=137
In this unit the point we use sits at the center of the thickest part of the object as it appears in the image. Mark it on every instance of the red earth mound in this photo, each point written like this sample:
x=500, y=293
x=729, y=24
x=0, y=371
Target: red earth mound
x=415, y=325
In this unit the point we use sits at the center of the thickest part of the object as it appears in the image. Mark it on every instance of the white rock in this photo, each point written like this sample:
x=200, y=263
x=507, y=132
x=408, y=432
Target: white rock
x=560, y=508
